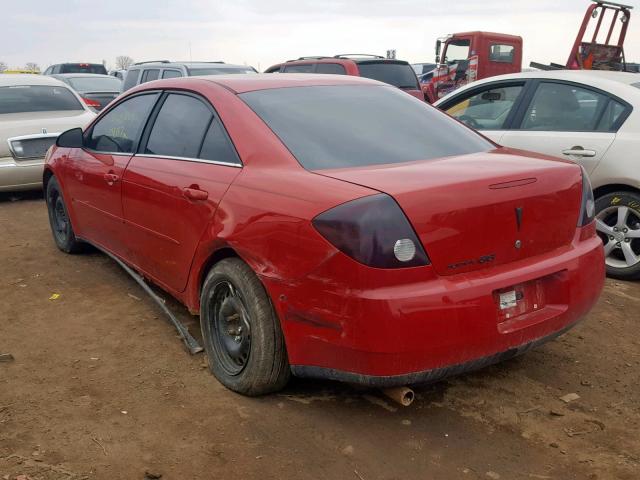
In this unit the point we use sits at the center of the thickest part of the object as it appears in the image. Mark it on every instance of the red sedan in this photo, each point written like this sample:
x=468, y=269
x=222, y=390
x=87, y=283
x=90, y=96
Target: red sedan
x=329, y=226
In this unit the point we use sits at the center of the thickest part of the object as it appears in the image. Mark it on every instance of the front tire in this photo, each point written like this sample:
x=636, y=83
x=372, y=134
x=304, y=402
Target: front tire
x=241, y=332
x=59, y=220
x=618, y=225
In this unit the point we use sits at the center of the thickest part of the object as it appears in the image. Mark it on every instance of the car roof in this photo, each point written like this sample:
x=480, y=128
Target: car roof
x=80, y=75
x=613, y=82
x=29, y=79
x=242, y=83
x=161, y=64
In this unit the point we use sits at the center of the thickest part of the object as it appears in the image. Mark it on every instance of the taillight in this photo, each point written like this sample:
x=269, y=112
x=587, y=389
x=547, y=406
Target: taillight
x=374, y=231
x=588, y=206
x=91, y=103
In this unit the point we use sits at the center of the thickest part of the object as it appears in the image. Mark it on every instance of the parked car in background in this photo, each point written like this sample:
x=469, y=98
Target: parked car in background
x=590, y=117
x=394, y=72
x=97, y=68
x=96, y=91
x=118, y=74
x=143, y=72
x=34, y=110
x=330, y=226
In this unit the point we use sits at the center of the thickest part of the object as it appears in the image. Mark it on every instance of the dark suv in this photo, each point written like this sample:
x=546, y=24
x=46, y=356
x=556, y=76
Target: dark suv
x=394, y=72
x=76, y=68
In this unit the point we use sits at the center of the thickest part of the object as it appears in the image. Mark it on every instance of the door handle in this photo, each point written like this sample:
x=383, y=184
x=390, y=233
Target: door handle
x=194, y=193
x=579, y=152
x=111, y=178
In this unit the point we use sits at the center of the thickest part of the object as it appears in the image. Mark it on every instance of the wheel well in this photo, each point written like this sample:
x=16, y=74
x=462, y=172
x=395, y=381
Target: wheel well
x=46, y=176
x=616, y=187
x=220, y=254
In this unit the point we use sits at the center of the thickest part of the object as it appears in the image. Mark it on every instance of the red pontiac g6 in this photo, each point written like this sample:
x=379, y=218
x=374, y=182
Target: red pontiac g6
x=329, y=226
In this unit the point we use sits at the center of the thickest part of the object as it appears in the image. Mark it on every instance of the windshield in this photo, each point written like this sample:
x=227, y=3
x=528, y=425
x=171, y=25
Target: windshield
x=399, y=75
x=95, y=84
x=83, y=68
x=355, y=125
x=37, y=98
x=457, y=50
x=219, y=71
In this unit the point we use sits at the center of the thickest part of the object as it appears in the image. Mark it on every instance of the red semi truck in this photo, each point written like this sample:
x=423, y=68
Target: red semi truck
x=469, y=56
x=464, y=57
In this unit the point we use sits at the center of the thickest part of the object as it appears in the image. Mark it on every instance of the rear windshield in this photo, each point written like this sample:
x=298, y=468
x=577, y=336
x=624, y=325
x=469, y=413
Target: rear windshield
x=399, y=75
x=95, y=84
x=83, y=68
x=37, y=98
x=349, y=126
x=219, y=71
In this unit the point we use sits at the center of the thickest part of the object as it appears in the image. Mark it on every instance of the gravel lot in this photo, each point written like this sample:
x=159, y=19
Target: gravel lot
x=101, y=387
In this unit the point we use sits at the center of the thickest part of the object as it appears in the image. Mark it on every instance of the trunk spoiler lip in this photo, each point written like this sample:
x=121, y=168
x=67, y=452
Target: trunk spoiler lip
x=513, y=183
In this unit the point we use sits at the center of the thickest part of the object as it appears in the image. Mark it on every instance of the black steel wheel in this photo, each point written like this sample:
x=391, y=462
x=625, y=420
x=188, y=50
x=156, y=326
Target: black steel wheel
x=241, y=332
x=59, y=221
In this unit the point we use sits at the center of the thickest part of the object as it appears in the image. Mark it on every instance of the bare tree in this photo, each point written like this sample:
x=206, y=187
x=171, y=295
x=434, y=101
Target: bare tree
x=123, y=62
x=3, y=67
x=33, y=67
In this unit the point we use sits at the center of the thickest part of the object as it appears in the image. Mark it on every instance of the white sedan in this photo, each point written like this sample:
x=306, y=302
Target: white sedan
x=34, y=110
x=590, y=117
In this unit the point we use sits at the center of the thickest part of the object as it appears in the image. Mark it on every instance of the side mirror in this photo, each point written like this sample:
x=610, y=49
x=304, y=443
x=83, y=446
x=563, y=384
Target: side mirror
x=71, y=139
x=438, y=48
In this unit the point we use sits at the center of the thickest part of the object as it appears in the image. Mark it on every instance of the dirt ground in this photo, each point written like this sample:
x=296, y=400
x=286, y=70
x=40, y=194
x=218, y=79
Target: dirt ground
x=100, y=387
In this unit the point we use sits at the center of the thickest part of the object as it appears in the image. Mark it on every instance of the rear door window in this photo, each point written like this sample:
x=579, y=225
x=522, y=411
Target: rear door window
x=131, y=79
x=399, y=75
x=305, y=68
x=217, y=145
x=611, y=116
x=119, y=130
x=171, y=74
x=487, y=109
x=150, y=75
x=179, y=128
x=37, y=98
x=334, y=68
x=560, y=107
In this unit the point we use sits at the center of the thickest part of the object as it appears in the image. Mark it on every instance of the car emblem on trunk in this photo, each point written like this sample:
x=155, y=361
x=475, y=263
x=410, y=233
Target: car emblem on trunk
x=519, y=217
x=44, y=131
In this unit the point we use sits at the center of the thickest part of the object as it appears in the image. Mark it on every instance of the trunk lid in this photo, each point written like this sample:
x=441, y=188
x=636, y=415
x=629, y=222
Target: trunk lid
x=476, y=211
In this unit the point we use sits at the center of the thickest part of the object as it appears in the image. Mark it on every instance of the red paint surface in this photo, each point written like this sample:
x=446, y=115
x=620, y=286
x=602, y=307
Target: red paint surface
x=335, y=312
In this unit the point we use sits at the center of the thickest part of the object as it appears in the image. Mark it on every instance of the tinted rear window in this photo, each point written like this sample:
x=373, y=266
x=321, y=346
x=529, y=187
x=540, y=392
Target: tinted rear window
x=348, y=126
x=399, y=75
x=37, y=98
x=219, y=71
x=95, y=84
x=131, y=79
x=83, y=68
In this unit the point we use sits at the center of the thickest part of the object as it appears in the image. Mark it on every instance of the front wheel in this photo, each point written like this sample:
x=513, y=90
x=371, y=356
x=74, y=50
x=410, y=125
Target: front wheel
x=242, y=334
x=618, y=225
x=59, y=220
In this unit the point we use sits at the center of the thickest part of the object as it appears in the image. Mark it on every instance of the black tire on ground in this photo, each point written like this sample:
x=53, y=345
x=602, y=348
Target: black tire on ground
x=61, y=227
x=609, y=203
x=242, y=335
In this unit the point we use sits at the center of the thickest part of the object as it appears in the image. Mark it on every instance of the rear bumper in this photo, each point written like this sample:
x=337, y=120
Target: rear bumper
x=25, y=175
x=379, y=327
x=425, y=376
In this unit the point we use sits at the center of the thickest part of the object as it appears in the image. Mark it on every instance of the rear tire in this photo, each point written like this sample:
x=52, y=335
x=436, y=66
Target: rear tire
x=618, y=225
x=242, y=335
x=59, y=220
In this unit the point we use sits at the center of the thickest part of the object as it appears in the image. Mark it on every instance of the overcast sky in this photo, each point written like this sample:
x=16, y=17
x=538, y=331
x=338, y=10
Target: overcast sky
x=264, y=32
